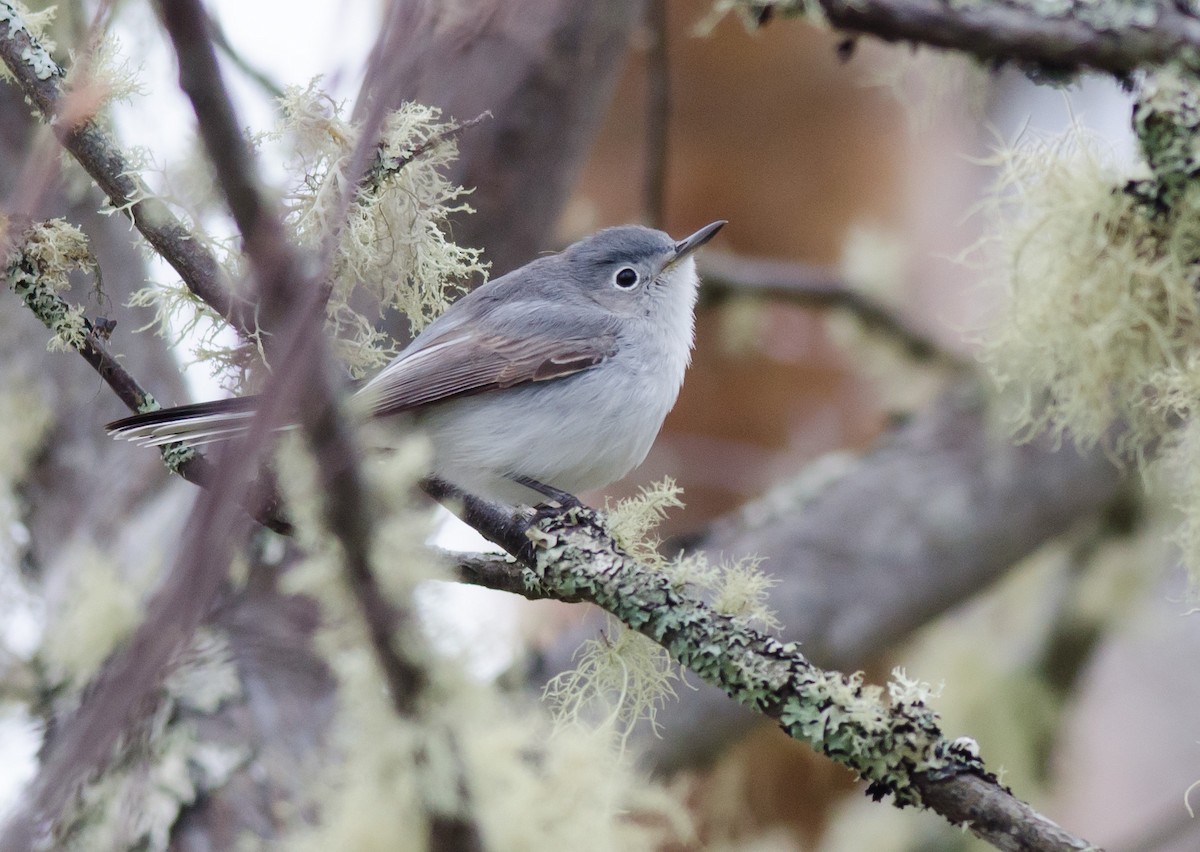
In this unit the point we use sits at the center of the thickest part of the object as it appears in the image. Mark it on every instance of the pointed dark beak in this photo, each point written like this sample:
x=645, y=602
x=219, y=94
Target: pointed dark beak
x=689, y=244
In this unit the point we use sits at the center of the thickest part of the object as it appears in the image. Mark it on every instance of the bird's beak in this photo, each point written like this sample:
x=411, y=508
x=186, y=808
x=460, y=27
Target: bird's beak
x=689, y=244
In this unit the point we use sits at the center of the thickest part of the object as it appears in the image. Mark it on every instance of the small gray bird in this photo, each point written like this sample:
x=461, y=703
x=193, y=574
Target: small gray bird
x=556, y=376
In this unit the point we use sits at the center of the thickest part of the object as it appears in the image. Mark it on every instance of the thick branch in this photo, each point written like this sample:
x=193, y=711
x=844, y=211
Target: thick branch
x=40, y=79
x=1114, y=36
x=896, y=744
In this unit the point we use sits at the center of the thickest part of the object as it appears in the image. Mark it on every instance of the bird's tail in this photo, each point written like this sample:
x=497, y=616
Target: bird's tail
x=199, y=423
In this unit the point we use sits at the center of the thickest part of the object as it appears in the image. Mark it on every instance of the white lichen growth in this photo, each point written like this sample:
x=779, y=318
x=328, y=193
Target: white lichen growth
x=738, y=588
x=392, y=253
x=1102, y=323
x=633, y=520
x=393, y=249
x=163, y=765
x=621, y=677
x=97, y=76
x=38, y=270
x=527, y=783
x=742, y=590
x=618, y=680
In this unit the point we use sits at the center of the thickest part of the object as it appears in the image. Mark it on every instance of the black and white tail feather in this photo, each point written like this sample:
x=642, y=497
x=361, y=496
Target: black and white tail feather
x=196, y=424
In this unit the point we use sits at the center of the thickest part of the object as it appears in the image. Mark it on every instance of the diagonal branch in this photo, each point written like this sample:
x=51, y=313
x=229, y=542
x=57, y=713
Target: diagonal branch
x=25, y=276
x=292, y=304
x=895, y=743
x=40, y=79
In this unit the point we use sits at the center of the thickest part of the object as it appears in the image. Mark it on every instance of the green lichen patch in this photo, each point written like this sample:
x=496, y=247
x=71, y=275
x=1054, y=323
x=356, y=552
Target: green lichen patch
x=887, y=738
x=37, y=270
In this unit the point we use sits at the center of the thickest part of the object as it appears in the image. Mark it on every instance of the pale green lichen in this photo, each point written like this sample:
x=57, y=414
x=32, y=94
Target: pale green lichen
x=166, y=765
x=463, y=752
x=1166, y=119
x=393, y=248
x=621, y=677
x=1102, y=318
x=633, y=519
x=617, y=681
x=37, y=270
x=392, y=254
x=99, y=611
x=101, y=76
x=738, y=587
x=1101, y=338
x=884, y=740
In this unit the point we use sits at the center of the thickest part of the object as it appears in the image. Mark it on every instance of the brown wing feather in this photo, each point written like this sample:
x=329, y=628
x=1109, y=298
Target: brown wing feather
x=459, y=365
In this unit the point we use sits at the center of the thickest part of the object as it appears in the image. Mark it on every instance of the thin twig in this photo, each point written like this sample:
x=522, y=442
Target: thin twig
x=40, y=79
x=725, y=275
x=385, y=168
x=221, y=40
x=896, y=745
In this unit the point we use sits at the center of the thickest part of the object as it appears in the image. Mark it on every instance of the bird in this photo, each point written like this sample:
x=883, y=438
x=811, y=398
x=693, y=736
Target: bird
x=552, y=379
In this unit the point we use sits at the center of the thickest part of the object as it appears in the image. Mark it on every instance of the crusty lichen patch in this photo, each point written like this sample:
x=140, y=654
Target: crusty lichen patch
x=884, y=739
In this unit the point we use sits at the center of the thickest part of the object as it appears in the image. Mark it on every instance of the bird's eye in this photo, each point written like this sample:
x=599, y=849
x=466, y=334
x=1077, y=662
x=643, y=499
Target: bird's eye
x=626, y=278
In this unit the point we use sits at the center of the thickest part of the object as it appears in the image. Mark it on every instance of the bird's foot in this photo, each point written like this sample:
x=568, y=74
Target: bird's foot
x=558, y=500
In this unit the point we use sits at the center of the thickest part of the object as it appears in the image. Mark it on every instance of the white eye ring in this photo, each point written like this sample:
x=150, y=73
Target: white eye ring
x=626, y=278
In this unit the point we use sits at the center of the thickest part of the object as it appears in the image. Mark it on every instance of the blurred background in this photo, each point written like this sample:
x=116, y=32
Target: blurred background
x=857, y=164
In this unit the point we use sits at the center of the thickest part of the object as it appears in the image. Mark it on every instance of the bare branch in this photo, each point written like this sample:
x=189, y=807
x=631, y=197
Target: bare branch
x=1116, y=37
x=726, y=275
x=895, y=744
x=221, y=40
x=384, y=169
x=25, y=278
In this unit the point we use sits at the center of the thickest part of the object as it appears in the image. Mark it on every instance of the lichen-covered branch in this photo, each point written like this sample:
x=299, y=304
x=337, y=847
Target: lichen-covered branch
x=893, y=742
x=1116, y=36
x=29, y=275
x=41, y=79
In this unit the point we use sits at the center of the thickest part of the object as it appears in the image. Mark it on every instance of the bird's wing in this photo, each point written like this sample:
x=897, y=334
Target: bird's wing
x=458, y=363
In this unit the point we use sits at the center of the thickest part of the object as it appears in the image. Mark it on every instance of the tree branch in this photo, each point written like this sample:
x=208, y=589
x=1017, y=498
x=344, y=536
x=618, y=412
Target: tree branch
x=895, y=743
x=725, y=275
x=25, y=275
x=1115, y=36
x=40, y=79
x=303, y=382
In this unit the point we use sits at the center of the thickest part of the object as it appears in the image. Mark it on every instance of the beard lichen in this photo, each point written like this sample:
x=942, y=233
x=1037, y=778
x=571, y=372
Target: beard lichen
x=392, y=253
x=1101, y=337
x=1102, y=321
x=392, y=248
